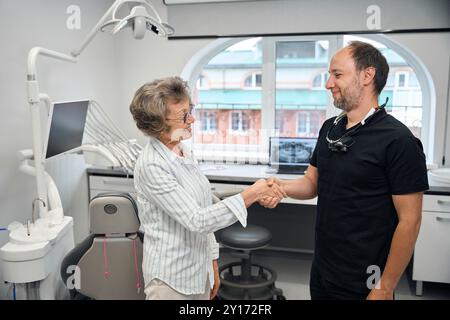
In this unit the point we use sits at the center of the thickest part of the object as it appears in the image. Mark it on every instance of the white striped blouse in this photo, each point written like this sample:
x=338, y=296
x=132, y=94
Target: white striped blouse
x=178, y=218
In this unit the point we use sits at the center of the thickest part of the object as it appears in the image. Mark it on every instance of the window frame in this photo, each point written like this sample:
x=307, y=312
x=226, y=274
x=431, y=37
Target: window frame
x=253, y=86
x=240, y=130
x=205, y=85
x=307, y=123
x=397, y=80
x=323, y=80
x=205, y=116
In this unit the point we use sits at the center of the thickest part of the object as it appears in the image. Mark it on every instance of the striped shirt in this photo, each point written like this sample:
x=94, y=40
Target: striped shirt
x=178, y=218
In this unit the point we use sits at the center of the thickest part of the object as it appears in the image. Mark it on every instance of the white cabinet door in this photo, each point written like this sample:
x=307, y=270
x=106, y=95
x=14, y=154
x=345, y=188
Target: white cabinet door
x=432, y=251
x=436, y=203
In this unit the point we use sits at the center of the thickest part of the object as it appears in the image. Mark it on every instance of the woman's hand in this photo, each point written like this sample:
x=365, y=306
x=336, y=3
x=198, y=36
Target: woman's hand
x=216, y=286
x=260, y=190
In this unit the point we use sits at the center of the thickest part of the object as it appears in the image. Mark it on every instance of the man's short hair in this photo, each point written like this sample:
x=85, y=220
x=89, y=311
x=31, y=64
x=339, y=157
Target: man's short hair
x=365, y=55
x=149, y=104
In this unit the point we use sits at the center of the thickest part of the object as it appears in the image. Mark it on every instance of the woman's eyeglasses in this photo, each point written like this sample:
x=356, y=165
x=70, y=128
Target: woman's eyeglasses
x=186, y=115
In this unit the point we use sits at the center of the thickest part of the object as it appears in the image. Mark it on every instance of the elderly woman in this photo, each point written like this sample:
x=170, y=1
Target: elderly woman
x=175, y=199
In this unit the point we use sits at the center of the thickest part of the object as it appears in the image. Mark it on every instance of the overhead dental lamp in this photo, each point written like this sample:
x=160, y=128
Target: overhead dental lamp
x=139, y=19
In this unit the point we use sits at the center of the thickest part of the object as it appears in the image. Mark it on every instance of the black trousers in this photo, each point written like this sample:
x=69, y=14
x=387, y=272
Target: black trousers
x=323, y=289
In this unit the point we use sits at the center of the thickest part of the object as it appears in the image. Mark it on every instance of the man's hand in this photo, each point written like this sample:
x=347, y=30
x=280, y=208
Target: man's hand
x=260, y=190
x=268, y=201
x=380, y=294
x=215, y=289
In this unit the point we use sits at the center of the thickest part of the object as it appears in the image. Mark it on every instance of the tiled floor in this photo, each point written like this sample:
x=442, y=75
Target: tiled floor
x=293, y=276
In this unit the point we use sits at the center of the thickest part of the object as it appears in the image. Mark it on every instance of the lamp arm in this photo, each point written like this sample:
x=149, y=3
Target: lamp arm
x=96, y=29
x=34, y=98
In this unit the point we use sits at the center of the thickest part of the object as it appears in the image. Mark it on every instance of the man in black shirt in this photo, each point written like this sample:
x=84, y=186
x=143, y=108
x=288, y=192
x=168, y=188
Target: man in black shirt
x=369, y=174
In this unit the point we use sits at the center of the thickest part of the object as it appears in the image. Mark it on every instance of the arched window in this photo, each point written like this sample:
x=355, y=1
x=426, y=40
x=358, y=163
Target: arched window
x=293, y=100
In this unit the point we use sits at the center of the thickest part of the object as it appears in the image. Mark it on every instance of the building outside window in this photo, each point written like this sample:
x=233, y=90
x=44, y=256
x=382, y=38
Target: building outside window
x=239, y=121
x=320, y=80
x=208, y=121
x=303, y=124
x=253, y=81
x=202, y=82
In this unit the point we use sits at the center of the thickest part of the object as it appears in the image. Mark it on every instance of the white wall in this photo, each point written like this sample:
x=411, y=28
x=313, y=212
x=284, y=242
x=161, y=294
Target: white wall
x=23, y=25
x=146, y=60
x=283, y=17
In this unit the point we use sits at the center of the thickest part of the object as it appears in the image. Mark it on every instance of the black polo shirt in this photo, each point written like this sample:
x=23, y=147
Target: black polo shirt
x=356, y=217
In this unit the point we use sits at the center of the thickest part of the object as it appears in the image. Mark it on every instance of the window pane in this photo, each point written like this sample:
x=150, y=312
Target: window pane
x=300, y=111
x=405, y=96
x=248, y=81
x=296, y=50
x=207, y=119
x=212, y=121
x=413, y=82
x=401, y=80
x=258, y=80
x=317, y=82
x=236, y=110
x=235, y=121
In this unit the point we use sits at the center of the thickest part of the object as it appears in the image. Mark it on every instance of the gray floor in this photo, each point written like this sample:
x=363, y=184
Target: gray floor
x=293, y=276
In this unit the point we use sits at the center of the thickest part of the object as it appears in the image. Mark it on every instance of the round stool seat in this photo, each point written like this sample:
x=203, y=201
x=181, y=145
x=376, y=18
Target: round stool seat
x=249, y=238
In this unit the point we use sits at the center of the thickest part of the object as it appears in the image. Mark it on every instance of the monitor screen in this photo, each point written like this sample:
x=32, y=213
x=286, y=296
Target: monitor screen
x=66, y=127
x=291, y=151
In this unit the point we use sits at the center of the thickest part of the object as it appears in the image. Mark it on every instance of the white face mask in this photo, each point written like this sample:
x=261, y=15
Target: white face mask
x=180, y=134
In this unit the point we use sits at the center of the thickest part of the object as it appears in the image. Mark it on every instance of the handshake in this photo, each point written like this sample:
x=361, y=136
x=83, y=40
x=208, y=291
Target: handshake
x=268, y=192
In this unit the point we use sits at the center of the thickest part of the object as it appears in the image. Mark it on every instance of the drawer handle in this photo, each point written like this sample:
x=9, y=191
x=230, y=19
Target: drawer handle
x=118, y=182
x=444, y=203
x=442, y=219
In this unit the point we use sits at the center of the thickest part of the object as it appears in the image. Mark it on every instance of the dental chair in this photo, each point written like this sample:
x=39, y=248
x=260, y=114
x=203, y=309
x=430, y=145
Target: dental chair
x=107, y=265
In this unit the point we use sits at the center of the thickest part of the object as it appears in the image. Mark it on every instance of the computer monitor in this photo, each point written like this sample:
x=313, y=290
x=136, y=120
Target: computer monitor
x=290, y=155
x=65, y=127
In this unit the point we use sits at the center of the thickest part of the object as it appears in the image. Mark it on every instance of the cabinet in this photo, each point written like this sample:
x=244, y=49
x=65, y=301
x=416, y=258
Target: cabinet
x=100, y=184
x=291, y=223
x=432, y=251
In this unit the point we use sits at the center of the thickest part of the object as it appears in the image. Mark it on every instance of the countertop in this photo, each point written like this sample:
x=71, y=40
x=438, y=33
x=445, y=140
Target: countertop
x=239, y=174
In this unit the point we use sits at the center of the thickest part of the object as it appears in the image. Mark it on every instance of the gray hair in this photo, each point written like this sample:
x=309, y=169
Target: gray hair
x=149, y=104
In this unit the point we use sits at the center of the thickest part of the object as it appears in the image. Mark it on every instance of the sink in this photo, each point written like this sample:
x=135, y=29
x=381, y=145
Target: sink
x=439, y=177
x=20, y=235
x=39, y=232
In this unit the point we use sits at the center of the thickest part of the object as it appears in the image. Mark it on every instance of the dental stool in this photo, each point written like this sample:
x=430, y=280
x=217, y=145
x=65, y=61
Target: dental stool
x=245, y=280
x=107, y=265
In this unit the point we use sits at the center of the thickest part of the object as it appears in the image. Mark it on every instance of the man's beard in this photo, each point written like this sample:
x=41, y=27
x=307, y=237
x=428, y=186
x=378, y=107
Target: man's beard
x=350, y=97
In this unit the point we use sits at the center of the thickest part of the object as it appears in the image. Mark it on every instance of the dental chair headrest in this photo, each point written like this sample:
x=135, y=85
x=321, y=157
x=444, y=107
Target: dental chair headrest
x=113, y=213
